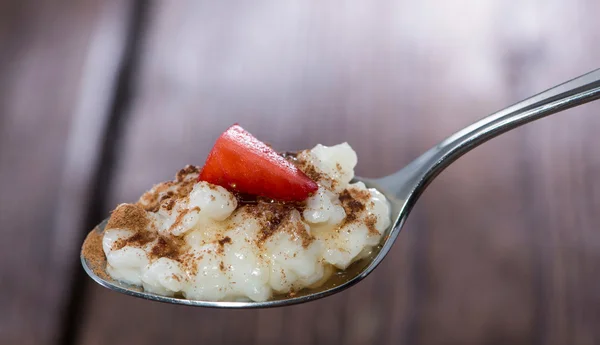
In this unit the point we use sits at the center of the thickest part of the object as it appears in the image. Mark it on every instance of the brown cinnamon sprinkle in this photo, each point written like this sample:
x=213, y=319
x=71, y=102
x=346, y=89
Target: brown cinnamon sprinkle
x=306, y=167
x=370, y=222
x=270, y=218
x=133, y=217
x=167, y=247
x=149, y=200
x=136, y=240
x=128, y=216
x=180, y=216
x=92, y=251
x=251, y=200
x=167, y=193
x=168, y=205
x=311, y=171
x=186, y=171
x=353, y=201
x=224, y=240
x=222, y=243
x=274, y=217
x=190, y=261
x=283, y=274
x=300, y=232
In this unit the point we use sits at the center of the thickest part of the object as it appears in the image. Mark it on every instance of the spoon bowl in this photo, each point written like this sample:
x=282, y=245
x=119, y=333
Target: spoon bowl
x=339, y=280
x=402, y=189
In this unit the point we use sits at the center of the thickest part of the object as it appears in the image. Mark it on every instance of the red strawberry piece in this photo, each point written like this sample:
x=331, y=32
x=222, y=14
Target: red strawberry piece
x=241, y=163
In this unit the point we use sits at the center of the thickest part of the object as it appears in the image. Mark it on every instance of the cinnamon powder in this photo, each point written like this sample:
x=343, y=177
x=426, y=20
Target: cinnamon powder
x=275, y=217
x=128, y=216
x=167, y=193
x=92, y=251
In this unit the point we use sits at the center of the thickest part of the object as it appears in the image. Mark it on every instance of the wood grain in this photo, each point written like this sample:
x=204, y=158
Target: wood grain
x=51, y=110
x=495, y=256
x=501, y=248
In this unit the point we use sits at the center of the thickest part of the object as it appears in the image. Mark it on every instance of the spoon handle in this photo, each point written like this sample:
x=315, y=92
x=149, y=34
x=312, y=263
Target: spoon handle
x=412, y=180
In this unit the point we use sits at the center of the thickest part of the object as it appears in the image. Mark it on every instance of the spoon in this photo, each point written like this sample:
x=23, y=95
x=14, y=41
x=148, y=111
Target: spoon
x=402, y=189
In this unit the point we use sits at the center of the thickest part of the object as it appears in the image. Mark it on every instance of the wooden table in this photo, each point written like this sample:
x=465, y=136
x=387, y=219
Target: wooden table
x=99, y=99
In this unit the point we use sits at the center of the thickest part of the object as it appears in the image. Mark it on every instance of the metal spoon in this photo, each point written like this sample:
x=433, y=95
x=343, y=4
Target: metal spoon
x=404, y=187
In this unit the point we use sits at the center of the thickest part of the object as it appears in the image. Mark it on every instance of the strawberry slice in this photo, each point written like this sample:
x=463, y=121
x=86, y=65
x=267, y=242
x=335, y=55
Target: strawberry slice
x=240, y=162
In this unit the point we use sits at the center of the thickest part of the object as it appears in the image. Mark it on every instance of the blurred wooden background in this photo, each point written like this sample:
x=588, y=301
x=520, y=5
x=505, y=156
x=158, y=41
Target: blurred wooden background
x=99, y=99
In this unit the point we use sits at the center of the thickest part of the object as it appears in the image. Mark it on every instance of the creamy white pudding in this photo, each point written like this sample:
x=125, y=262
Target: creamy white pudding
x=206, y=243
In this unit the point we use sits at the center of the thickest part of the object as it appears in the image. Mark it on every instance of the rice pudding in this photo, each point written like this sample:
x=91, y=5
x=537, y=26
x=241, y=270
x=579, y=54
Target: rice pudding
x=192, y=238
